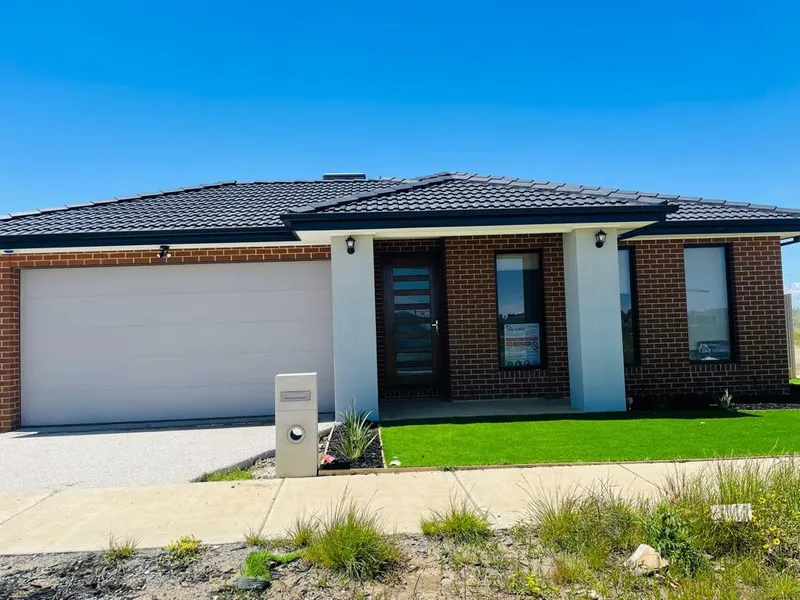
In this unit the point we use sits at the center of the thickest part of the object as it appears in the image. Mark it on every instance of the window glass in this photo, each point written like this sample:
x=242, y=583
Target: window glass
x=520, y=309
x=707, y=303
x=626, y=307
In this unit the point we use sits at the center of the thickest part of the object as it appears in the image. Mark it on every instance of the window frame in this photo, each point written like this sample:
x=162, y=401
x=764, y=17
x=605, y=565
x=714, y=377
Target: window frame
x=637, y=354
x=542, y=326
x=732, y=333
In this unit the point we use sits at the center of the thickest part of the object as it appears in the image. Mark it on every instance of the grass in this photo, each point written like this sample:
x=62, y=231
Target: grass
x=460, y=523
x=595, y=438
x=586, y=535
x=350, y=541
x=257, y=564
x=253, y=537
x=356, y=433
x=118, y=550
x=234, y=474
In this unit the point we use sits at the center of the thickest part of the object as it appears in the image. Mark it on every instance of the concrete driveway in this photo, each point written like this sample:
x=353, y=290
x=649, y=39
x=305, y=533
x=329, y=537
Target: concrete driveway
x=124, y=456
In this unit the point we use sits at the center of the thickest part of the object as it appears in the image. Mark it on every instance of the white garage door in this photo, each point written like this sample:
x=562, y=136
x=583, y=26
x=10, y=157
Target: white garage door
x=117, y=344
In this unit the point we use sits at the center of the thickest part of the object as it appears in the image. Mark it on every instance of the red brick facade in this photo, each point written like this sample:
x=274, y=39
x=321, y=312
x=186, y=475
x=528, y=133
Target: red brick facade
x=759, y=321
x=472, y=326
x=664, y=367
x=10, y=265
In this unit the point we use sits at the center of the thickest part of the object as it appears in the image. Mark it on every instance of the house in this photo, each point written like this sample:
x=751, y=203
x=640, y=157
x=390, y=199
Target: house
x=186, y=303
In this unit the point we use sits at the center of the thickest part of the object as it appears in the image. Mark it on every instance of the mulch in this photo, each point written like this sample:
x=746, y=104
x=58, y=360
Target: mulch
x=372, y=457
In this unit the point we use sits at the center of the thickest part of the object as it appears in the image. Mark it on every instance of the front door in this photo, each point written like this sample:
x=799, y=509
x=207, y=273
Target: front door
x=413, y=309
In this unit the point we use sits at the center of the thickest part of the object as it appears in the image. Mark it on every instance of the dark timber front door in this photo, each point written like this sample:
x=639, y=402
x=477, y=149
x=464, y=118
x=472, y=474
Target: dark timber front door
x=413, y=309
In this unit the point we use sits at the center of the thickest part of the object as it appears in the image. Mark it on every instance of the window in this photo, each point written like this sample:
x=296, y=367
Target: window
x=627, y=308
x=707, y=285
x=520, y=309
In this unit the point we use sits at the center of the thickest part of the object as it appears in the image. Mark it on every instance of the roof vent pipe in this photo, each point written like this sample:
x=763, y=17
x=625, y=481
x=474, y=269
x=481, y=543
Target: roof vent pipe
x=343, y=176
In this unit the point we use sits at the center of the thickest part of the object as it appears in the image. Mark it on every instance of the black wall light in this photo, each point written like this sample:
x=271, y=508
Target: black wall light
x=163, y=252
x=600, y=238
x=351, y=245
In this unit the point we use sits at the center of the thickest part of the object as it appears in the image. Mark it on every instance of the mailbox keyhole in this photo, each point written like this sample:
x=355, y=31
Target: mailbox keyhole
x=296, y=434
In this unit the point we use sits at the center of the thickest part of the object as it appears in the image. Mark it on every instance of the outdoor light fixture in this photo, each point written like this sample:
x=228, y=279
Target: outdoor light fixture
x=163, y=252
x=600, y=238
x=351, y=245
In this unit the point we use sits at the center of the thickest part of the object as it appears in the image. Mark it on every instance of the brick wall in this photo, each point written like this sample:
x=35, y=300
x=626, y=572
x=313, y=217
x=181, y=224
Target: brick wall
x=10, y=264
x=472, y=319
x=758, y=321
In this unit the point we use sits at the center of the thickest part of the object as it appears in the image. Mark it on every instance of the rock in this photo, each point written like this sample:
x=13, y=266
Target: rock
x=645, y=560
x=589, y=594
x=738, y=513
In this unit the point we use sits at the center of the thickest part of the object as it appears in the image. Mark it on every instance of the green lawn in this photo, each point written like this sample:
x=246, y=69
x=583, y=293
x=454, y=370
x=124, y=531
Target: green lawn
x=594, y=438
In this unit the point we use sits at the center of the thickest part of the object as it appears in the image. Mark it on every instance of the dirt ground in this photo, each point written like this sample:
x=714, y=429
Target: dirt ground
x=429, y=569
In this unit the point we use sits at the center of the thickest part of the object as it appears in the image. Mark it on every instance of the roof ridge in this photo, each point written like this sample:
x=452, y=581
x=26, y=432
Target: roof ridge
x=401, y=186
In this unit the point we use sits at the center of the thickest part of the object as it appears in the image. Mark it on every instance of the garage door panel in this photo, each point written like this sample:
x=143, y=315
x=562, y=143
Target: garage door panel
x=122, y=344
x=242, y=400
x=116, y=311
x=183, y=340
x=160, y=279
x=177, y=372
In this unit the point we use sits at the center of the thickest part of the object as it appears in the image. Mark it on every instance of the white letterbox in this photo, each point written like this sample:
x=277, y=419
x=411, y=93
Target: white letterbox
x=296, y=422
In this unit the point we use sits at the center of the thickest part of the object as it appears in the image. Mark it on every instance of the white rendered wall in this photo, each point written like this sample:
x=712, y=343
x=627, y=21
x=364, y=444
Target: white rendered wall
x=355, y=352
x=594, y=330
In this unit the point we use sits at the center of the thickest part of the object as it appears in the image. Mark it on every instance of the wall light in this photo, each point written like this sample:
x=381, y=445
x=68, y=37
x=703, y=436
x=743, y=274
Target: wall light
x=163, y=252
x=351, y=245
x=600, y=238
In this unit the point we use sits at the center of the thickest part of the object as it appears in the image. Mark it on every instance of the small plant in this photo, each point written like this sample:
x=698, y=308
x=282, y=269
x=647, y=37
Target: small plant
x=183, y=550
x=302, y=532
x=235, y=474
x=460, y=523
x=356, y=434
x=253, y=537
x=725, y=400
x=350, y=541
x=527, y=583
x=669, y=533
x=118, y=550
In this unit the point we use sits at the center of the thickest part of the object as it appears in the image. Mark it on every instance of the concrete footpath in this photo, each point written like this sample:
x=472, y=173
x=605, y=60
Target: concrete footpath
x=83, y=519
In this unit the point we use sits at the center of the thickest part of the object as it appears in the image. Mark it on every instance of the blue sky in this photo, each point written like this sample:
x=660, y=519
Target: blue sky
x=102, y=99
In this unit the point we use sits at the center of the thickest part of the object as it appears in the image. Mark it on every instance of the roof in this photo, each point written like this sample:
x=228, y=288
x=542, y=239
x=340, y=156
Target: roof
x=272, y=211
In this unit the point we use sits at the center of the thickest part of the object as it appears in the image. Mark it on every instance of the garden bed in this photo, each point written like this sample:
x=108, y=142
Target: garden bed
x=371, y=459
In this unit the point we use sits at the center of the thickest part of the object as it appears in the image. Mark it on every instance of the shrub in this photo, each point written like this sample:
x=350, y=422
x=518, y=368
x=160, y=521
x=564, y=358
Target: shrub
x=235, y=474
x=183, y=550
x=460, y=523
x=596, y=520
x=302, y=532
x=725, y=400
x=350, y=541
x=118, y=550
x=356, y=434
x=667, y=531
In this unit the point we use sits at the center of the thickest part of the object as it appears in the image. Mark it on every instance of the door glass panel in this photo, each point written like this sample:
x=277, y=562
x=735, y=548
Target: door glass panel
x=402, y=271
x=412, y=327
x=413, y=342
x=414, y=370
x=413, y=356
x=412, y=313
x=412, y=299
x=422, y=284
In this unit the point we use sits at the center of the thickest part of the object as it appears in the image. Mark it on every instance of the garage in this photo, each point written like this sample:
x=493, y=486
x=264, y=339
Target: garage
x=147, y=343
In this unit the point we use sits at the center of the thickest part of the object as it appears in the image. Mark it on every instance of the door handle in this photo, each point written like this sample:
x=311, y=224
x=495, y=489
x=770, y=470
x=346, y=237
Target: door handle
x=435, y=325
